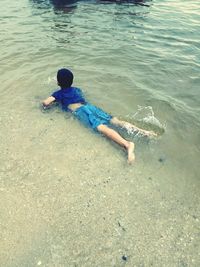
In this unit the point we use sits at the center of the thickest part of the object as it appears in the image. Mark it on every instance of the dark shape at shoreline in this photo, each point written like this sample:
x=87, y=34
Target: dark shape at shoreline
x=68, y=5
x=58, y=5
x=63, y=3
x=135, y=2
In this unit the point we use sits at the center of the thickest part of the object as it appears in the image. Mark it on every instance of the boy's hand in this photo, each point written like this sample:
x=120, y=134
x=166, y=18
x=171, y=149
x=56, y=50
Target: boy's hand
x=48, y=101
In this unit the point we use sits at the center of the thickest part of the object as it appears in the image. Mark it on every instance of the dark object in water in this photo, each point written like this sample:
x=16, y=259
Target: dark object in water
x=65, y=3
x=124, y=258
x=62, y=3
x=161, y=159
x=136, y=2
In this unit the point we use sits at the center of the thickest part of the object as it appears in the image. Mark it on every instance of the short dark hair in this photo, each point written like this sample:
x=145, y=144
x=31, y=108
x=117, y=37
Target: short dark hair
x=65, y=78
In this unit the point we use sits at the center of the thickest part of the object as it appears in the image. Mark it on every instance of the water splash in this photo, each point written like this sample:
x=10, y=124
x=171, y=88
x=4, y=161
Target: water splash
x=145, y=118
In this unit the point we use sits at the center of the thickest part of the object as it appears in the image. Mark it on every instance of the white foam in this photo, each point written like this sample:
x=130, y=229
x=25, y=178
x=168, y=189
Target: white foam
x=144, y=115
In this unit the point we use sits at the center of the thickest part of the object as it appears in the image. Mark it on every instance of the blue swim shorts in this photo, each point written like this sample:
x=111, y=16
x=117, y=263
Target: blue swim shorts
x=92, y=116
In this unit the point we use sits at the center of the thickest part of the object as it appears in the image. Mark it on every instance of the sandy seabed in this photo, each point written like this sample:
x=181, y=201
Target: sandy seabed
x=68, y=198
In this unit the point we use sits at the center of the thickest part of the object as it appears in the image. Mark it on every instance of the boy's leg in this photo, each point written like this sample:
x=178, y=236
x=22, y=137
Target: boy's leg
x=113, y=135
x=127, y=125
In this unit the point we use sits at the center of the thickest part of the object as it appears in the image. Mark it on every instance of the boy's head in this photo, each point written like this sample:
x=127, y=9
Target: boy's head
x=65, y=78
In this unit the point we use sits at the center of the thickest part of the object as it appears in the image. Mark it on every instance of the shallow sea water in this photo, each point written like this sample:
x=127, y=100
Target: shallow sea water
x=67, y=195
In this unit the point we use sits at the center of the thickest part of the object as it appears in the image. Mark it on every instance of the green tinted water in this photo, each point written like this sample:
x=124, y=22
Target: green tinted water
x=67, y=196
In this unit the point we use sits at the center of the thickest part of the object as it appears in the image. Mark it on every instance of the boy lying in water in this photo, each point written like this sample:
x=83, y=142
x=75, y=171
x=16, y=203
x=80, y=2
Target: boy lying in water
x=72, y=99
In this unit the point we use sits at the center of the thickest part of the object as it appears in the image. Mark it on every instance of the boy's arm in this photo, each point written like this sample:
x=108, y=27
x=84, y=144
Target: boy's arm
x=48, y=101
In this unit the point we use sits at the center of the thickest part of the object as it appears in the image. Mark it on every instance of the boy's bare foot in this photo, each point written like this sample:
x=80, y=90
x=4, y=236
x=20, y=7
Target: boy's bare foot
x=130, y=151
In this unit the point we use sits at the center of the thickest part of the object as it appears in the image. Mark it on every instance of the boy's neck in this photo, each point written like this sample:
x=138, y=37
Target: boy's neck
x=65, y=88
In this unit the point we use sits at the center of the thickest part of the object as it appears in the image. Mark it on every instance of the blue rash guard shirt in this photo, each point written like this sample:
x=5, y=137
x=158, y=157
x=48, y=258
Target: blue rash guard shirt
x=67, y=96
x=88, y=114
